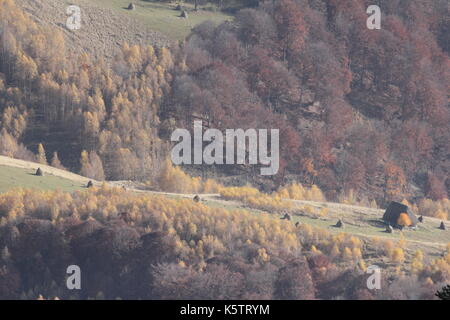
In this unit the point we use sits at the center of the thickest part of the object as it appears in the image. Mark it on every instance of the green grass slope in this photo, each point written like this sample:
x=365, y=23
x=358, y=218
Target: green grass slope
x=11, y=178
x=360, y=221
x=163, y=17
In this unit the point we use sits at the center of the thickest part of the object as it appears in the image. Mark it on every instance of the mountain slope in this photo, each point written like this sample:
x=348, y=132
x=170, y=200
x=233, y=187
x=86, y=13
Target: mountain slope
x=106, y=25
x=360, y=221
x=103, y=30
x=33, y=166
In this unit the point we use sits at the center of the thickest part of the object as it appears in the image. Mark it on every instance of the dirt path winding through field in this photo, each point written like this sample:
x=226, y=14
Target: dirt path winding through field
x=356, y=217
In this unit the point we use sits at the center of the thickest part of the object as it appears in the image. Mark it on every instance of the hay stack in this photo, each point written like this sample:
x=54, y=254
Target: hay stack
x=339, y=224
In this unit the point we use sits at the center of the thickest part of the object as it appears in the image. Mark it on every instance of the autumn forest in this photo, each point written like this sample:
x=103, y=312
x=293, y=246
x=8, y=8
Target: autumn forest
x=363, y=117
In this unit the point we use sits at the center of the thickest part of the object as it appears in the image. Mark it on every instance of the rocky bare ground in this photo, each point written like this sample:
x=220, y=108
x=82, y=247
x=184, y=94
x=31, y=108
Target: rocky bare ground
x=102, y=31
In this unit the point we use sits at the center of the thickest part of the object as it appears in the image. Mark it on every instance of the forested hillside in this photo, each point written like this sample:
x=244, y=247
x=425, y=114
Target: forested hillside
x=71, y=103
x=363, y=118
x=358, y=109
x=361, y=109
x=142, y=246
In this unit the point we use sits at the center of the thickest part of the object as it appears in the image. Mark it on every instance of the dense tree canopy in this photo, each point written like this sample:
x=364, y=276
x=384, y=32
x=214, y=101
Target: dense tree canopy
x=353, y=105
